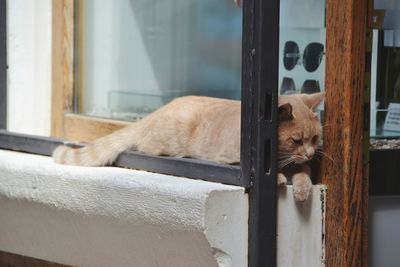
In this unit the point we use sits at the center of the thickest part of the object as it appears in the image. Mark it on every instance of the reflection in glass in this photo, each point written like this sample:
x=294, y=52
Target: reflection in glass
x=302, y=46
x=385, y=84
x=137, y=55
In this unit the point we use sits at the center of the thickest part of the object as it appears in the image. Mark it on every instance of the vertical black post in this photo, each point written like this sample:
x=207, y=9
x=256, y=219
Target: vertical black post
x=259, y=125
x=3, y=66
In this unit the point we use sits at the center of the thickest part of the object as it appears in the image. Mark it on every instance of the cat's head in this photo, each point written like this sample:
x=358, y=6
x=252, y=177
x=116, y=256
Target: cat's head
x=299, y=127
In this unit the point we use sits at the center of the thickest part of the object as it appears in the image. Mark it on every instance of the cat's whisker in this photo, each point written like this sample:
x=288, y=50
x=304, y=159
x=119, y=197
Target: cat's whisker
x=285, y=153
x=323, y=154
x=327, y=125
x=284, y=160
x=284, y=157
x=283, y=163
x=287, y=161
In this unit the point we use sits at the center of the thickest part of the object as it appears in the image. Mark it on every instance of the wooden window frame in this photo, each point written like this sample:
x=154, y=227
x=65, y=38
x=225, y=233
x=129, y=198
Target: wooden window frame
x=346, y=132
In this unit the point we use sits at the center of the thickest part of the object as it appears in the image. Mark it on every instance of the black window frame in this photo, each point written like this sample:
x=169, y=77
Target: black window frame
x=258, y=168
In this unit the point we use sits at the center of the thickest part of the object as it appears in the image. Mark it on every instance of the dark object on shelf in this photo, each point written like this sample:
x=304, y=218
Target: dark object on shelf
x=287, y=87
x=310, y=87
x=290, y=55
x=387, y=72
x=312, y=56
x=384, y=169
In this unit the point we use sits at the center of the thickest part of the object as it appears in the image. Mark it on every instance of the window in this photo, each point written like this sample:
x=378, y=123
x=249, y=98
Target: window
x=136, y=56
x=131, y=57
x=385, y=90
x=258, y=91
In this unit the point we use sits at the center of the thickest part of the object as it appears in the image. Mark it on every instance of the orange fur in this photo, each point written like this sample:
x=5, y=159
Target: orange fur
x=299, y=136
x=209, y=129
x=191, y=126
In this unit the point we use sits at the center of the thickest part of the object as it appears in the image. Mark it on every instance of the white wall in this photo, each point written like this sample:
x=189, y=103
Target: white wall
x=29, y=66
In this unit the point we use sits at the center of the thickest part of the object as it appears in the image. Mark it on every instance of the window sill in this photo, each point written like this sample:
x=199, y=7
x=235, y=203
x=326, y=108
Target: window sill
x=110, y=216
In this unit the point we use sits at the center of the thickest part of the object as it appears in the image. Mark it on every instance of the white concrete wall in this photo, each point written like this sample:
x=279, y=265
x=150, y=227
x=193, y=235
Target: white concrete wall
x=29, y=66
x=301, y=228
x=116, y=217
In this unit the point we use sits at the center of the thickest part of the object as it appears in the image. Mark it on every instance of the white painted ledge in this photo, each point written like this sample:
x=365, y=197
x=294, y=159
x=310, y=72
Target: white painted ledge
x=301, y=229
x=108, y=216
x=115, y=217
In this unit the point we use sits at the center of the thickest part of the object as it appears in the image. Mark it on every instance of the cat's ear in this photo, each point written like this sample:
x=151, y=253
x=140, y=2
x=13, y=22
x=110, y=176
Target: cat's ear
x=285, y=112
x=312, y=100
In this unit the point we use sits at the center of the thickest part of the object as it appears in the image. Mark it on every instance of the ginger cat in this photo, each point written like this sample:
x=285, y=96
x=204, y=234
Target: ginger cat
x=209, y=128
x=300, y=133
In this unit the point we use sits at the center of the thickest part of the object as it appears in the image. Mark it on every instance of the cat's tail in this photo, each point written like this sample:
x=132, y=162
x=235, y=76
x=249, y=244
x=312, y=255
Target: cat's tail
x=102, y=151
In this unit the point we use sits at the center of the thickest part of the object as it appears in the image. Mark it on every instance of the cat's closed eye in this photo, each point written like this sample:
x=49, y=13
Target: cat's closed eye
x=297, y=141
x=314, y=140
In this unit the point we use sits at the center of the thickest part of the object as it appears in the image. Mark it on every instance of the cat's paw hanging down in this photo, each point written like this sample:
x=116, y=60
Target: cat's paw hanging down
x=281, y=179
x=301, y=186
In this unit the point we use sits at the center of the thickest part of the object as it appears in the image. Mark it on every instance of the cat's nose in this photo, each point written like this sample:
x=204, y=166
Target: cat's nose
x=310, y=152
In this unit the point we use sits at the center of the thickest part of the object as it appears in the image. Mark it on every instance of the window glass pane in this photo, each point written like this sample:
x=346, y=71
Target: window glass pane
x=302, y=46
x=385, y=69
x=136, y=55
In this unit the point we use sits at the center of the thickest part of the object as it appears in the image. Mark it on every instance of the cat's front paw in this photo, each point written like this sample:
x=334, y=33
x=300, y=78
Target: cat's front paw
x=301, y=186
x=281, y=179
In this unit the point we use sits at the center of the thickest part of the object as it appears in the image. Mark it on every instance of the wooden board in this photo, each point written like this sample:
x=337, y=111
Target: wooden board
x=62, y=63
x=343, y=133
x=85, y=128
x=64, y=124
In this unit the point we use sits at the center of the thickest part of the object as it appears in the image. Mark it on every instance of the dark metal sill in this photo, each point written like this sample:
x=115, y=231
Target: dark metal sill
x=182, y=167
